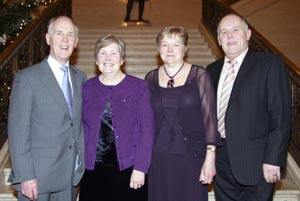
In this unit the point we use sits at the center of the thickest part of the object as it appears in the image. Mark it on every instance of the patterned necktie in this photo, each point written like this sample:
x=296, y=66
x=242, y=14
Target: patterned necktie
x=66, y=87
x=224, y=97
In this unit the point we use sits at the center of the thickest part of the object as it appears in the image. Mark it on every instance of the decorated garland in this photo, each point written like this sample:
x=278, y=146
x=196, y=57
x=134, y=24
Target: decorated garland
x=15, y=15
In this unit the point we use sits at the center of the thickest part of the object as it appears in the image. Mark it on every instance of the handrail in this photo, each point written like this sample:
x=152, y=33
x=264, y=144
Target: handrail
x=213, y=11
x=28, y=48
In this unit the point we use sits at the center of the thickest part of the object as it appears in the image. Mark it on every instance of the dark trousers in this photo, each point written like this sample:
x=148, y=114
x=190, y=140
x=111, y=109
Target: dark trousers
x=107, y=183
x=228, y=189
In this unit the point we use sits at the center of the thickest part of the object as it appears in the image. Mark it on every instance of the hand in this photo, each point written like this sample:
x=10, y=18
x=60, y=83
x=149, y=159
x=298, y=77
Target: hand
x=137, y=179
x=271, y=173
x=208, y=170
x=30, y=189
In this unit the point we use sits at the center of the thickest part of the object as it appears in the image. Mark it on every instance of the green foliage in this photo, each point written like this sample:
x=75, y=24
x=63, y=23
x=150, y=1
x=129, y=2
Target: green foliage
x=15, y=15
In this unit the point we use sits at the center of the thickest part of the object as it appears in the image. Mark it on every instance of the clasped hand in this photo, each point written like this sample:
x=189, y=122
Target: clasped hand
x=137, y=179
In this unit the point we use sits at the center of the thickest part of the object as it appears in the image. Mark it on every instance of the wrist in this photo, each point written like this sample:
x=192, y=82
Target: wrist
x=211, y=148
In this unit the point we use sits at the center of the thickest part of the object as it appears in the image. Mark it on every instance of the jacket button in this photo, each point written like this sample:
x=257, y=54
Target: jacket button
x=70, y=146
x=71, y=124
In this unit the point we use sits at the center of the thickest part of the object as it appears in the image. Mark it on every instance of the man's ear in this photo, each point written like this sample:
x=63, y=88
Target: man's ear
x=219, y=41
x=48, y=38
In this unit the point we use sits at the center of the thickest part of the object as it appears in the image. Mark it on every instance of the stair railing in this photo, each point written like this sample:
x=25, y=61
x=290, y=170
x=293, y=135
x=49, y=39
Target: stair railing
x=28, y=48
x=213, y=11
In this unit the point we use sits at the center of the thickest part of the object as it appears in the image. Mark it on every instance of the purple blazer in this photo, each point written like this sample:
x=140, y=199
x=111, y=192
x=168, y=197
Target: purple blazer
x=132, y=120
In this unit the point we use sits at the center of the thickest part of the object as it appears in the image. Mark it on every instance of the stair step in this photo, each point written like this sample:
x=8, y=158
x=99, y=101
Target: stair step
x=202, y=47
x=140, y=55
x=140, y=41
x=141, y=49
x=128, y=30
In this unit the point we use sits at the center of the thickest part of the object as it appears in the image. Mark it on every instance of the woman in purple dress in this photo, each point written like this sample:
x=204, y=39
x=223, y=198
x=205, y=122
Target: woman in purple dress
x=118, y=127
x=186, y=136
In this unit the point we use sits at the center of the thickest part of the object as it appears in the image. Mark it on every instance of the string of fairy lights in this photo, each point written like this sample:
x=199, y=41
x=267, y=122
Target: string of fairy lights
x=15, y=15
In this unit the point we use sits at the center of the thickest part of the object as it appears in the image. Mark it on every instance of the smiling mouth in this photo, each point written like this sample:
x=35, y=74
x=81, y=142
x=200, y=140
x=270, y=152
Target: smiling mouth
x=231, y=43
x=64, y=47
x=108, y=64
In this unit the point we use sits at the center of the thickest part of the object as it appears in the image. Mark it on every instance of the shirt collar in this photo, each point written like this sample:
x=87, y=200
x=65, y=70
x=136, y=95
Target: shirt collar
x=55, y=64
x=239, y=59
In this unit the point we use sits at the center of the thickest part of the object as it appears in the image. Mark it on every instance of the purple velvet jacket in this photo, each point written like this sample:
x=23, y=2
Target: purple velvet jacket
x=132, y=120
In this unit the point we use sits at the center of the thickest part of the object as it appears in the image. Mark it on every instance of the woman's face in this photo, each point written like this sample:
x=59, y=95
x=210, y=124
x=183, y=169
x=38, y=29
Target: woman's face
x=172, y=50
x=109, y=60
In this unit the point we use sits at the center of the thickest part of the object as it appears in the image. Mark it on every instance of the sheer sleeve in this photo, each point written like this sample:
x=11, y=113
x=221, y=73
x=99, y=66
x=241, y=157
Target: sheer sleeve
x=208, y=107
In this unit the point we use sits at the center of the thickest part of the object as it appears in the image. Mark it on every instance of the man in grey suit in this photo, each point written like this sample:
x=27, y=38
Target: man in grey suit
x=45, y=132
x=255, y=89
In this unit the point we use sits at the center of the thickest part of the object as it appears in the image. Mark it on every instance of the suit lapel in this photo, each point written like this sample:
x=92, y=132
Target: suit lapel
x=216, y=75
x=245, y=67
x=76, y=84
x=50, y=82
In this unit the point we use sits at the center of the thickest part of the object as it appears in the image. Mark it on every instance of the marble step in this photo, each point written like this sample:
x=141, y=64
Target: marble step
x=129, y=30
x=141, y=50
x=147, y=59
x=136, y=39
x=136, y=69
x=129, y=33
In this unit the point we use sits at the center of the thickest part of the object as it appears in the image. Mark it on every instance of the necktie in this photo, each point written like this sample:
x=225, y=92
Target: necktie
x=66, y=87
x=224, y=98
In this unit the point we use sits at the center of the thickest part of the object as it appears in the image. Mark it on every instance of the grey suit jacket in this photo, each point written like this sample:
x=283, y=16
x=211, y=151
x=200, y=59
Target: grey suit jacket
x=43, y=140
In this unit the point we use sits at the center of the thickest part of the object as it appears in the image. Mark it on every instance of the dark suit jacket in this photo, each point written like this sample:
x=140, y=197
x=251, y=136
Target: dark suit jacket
x=258, y=117
x=43, y=140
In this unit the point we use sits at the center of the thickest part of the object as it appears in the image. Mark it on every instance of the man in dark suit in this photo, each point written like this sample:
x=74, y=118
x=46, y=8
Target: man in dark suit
x=255, y=124
x=45, y=132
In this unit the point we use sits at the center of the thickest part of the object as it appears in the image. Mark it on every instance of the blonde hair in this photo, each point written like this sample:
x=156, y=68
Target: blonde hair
x=172, y=31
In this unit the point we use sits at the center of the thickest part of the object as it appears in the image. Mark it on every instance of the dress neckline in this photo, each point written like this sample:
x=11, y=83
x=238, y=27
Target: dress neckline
x=187, y=78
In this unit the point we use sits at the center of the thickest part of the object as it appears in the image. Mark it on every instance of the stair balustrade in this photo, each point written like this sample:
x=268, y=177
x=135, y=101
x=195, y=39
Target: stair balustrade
x=28, y=48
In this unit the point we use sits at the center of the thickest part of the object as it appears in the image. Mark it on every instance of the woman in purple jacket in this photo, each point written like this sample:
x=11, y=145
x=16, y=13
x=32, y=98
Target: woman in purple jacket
x=118, y=127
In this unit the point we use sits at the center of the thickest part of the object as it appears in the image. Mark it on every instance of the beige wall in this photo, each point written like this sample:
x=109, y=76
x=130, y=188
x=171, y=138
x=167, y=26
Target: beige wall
x=279, y=22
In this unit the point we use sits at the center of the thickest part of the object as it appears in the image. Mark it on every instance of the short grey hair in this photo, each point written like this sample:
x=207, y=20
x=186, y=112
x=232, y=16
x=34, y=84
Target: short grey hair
x=108, y=40
x=50, y=24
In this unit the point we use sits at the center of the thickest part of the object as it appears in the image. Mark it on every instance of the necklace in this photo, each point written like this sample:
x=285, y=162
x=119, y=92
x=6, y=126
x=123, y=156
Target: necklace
x=171, y=81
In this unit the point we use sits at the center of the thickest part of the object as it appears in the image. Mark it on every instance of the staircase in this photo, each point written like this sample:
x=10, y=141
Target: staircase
x=141, y=57
x=141, y=49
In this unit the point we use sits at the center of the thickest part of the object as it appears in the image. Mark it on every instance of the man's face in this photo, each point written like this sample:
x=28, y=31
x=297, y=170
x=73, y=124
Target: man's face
x=62, y=39
x=233, y=36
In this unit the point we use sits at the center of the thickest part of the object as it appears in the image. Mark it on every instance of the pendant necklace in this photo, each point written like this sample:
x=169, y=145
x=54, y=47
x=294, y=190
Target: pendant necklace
x=171, y=81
